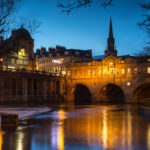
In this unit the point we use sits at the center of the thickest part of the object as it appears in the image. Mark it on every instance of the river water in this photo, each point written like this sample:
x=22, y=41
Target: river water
x=86, y=127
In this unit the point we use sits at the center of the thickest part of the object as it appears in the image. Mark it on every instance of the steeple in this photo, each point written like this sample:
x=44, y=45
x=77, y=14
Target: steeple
x=110, y=30
x=111, y=42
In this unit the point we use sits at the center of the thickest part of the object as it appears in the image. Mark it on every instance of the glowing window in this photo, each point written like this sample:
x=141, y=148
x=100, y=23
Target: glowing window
x=110, y=63
x=78, y=73
x=104, y=72
x=128, y=83
x=123, y=71
x=89, y=72
x=129, y=70
x=148, y=70
x=69, y=73
x=135, y=70
x=100, y=72
x=22, y=51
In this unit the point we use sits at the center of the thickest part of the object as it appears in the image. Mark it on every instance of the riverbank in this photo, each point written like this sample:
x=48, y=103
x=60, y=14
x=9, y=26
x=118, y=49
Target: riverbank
x=23, y=112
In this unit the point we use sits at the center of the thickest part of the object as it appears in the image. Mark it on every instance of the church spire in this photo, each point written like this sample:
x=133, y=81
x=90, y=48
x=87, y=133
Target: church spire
x=111, y=42
x=110, y=30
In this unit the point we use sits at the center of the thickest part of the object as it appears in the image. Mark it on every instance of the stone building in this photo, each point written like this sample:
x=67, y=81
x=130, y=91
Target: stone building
x=109, y=78
x=55, y=59
x=16, y=52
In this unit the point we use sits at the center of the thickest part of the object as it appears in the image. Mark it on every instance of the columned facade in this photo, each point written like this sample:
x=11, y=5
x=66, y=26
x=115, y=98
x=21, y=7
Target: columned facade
x=29, y=87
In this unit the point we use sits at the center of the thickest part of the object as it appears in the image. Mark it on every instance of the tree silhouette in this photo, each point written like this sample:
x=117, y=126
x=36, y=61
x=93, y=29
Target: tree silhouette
x=145, y=25
x=7, y=8
x=68, y=5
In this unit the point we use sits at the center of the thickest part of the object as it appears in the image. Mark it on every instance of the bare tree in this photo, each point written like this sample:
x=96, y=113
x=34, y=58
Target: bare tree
x=145, y=25
x=68, y=5
x=7, y=8
x=31, y=24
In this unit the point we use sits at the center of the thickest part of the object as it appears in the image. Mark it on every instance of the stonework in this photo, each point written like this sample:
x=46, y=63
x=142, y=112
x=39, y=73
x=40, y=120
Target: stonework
x=16, y=52
x=55, y=59
x=70, y=75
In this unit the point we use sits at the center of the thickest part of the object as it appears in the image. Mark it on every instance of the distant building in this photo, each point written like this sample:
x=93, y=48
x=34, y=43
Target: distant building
x=55, y=59
x=16, y=52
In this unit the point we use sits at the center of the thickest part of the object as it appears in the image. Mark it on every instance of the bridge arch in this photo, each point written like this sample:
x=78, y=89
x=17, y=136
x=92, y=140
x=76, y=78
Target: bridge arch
x=142, y=93
x=82, y=94
x=111, y=93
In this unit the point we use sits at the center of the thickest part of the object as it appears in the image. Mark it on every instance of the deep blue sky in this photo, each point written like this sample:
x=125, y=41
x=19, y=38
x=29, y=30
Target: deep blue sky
x=87, y=28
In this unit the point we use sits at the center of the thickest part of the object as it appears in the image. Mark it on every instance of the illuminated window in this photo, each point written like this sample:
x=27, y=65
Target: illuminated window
x=110, y=63
x=89, y=72
x=78, y=73
x=104, y=71
x=148, y=59
x=148, y=70
x=122, y=61
x=100, y=71
x=22, y=51
x=69, y=73
x=129, y=70
x=94, y=72
x=123, y=71
x=128, y=83
x=135, y=70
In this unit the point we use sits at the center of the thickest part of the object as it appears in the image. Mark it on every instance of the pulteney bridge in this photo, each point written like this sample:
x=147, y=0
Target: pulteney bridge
x=111, y=79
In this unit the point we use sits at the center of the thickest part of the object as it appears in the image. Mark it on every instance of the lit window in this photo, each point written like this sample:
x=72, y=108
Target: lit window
x=23, y=51
x=135, y=70
x=129, y=70
x=110, y=63
x=122, y=61
x=99, y=71
x=122, y=71
x=89, y=72
x=69, y=73
x=104, y=72
x=128, y=83
x=94, y=72
x=78, y=73
x=148, y=59
x=148, y=70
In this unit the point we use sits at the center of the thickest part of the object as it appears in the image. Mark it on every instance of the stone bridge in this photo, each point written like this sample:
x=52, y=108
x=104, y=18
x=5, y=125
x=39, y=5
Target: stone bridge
x=112, y=79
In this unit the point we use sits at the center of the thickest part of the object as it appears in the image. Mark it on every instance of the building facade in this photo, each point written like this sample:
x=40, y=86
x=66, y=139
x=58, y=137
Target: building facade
x=55, y=59
x=16, y=52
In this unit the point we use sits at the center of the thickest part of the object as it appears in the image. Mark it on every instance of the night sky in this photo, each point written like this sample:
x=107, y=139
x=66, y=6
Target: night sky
x=87, y=28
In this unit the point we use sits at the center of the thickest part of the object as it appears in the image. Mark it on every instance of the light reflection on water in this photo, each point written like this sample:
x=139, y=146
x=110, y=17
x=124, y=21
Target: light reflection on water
x=89, y=127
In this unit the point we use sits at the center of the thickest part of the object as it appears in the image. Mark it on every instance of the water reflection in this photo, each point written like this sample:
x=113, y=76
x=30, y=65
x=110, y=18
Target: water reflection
x=1, y=138
x=104, y=130
x=57, y=135
x=92, y=127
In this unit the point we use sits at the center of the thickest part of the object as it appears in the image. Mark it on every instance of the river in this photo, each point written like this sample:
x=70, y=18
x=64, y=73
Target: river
x=85, y=127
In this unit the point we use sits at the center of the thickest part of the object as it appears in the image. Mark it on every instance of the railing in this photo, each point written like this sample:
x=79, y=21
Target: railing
x=30, y=71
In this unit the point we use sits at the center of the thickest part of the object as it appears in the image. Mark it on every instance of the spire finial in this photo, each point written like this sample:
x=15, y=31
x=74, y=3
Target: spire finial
x=110, y=29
